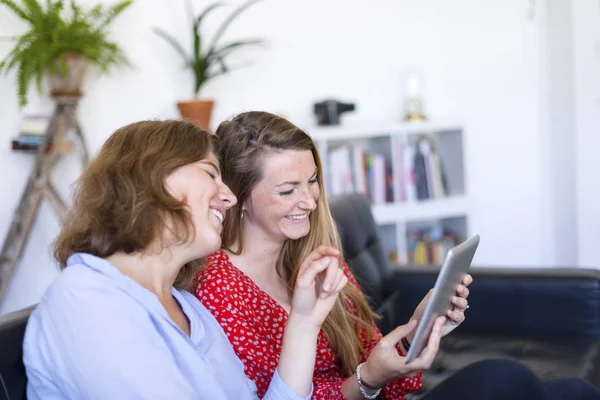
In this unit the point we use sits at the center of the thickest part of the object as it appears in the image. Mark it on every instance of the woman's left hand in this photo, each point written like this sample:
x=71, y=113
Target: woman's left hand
x=456, y=315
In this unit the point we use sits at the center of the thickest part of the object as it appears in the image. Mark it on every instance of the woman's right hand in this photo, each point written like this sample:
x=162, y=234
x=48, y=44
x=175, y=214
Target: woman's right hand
x=385, y=364
x=319, y=281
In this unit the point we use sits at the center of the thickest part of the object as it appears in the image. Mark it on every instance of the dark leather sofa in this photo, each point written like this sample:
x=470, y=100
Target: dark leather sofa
x=12, y=372
x=547, y=318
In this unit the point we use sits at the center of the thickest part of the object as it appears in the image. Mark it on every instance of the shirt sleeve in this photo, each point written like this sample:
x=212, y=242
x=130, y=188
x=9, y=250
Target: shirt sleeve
x=395, y=389
x=279, y=390
x=71, y=344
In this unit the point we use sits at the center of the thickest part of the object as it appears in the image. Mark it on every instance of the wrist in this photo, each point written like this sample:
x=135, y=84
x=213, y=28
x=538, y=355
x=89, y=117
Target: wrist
x=370, y=379
x=302, y=324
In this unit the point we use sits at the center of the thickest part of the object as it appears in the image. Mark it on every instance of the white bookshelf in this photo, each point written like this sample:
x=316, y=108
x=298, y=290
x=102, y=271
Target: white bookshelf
x=399, y=216
x=391, y=213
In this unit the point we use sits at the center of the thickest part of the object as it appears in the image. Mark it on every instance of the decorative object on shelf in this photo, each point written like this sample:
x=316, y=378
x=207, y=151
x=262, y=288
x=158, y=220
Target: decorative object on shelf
x=39, y=185
x=413, y=105
x=206, y=61
x=61, y=43
x=328, y=111
x=413, y=174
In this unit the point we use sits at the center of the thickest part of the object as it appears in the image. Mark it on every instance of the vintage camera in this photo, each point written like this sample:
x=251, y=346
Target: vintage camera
x=328, y=111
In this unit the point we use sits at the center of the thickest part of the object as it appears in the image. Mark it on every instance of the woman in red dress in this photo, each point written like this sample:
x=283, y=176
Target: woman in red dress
x=278, y=224
x=281, y=216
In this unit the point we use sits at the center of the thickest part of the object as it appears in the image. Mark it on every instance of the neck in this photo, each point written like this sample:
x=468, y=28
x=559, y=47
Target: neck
x=260, y=254
x=156, y=272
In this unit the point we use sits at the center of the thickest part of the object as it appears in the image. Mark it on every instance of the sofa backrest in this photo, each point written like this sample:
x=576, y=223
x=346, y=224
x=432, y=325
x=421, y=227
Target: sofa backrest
x=361, y=244
x=543, y=303
x=13, y=380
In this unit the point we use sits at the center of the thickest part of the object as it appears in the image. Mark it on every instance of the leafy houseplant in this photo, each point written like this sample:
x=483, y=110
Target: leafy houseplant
x=61, y=41
x=207, y=60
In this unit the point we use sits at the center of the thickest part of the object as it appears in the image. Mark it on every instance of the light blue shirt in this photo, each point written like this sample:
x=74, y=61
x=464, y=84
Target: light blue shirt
x=97, y=334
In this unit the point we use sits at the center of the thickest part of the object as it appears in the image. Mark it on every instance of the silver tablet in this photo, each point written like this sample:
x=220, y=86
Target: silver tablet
x=455, y=267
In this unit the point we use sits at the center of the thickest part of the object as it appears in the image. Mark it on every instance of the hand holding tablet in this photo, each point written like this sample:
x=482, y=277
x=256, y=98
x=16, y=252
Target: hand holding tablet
x=384, y=363
x=455, y=267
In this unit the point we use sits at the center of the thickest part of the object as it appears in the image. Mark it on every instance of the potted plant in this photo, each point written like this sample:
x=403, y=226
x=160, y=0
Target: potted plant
x=61, y=42
x=206, y=60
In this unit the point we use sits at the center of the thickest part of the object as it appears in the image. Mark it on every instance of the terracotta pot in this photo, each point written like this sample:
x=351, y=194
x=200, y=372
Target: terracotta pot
x=197, y=111
x=69, y=84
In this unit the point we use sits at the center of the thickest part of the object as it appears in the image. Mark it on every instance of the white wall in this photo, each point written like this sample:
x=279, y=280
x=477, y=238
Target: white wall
x=479, y=59
x=586, y=23
x=556, y=135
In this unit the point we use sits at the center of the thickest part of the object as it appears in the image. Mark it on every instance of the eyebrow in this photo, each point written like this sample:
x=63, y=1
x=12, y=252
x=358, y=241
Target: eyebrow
x=295, y=182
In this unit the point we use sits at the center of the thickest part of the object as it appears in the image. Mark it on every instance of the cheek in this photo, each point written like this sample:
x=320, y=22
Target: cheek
x=315, y=192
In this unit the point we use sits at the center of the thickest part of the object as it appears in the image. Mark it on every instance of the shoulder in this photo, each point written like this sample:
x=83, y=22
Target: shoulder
x=217, y=273
x=80, y=305
x=76, y=287
x=219, y=283
x=81, y=297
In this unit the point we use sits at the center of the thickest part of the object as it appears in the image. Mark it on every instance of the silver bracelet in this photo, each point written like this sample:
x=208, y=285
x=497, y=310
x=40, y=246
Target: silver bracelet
x=362, y=387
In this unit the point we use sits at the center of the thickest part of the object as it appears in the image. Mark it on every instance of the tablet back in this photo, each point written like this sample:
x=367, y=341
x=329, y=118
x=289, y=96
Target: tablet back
x=455, y=267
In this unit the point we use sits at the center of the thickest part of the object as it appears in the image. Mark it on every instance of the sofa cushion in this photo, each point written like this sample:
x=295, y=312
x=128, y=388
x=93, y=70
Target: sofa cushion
x=546, y=358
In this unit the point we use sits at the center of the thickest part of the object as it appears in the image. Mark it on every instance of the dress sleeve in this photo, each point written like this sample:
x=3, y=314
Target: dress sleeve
x=395, y=389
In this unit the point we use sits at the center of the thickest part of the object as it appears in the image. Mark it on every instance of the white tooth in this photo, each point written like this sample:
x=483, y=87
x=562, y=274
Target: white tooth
x=297, y=217
x=218, y=214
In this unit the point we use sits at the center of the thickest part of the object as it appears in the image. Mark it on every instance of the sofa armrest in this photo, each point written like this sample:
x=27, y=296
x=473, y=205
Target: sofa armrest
x=514, y=302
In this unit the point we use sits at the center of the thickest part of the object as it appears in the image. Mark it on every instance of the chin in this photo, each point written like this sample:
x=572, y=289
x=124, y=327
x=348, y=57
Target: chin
x=298, y=234
x=209, y=245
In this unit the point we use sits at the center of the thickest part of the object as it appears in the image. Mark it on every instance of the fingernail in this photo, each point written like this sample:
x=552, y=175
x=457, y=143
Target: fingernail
x=327, y=287
x=323, y=295
x=326, y=260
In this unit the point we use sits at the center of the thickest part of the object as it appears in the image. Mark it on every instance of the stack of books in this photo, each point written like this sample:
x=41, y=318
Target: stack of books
x=31, y=133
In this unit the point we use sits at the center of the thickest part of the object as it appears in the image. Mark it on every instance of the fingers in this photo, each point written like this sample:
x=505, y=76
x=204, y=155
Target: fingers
x=319, y=252
x=400, y=332
x=467, y=280
x=456, y=316
x=331, y=277
x=460, y=303
x=428, y=354
x=343, y=281
x=308, y=276
x=462, y=291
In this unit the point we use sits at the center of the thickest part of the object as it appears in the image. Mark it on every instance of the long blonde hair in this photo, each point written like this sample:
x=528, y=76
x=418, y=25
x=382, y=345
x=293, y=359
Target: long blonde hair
x=242, y=143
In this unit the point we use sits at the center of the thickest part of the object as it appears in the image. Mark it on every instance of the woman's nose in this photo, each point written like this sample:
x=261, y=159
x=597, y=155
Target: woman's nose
x=227, y=196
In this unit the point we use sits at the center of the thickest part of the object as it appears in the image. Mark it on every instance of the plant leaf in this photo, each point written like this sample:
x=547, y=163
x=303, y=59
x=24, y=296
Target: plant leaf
x=235, y=13
x=16, y=9
x=53, y=33
x=227, y=49
x=204, y=13
x=173, y=42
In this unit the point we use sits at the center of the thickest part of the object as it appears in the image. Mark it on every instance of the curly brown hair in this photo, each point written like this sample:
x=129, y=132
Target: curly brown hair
x=120, y=202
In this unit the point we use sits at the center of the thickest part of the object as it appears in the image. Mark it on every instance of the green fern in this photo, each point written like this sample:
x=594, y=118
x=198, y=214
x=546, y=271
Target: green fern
x=208, y=61
x=54, y=31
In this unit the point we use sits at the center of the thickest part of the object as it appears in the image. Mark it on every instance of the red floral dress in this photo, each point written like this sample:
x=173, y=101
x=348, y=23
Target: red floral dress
x=254, y=323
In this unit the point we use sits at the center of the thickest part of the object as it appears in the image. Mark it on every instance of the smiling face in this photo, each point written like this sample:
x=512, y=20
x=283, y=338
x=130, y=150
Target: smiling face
x=200, y=187
x=279, y=205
